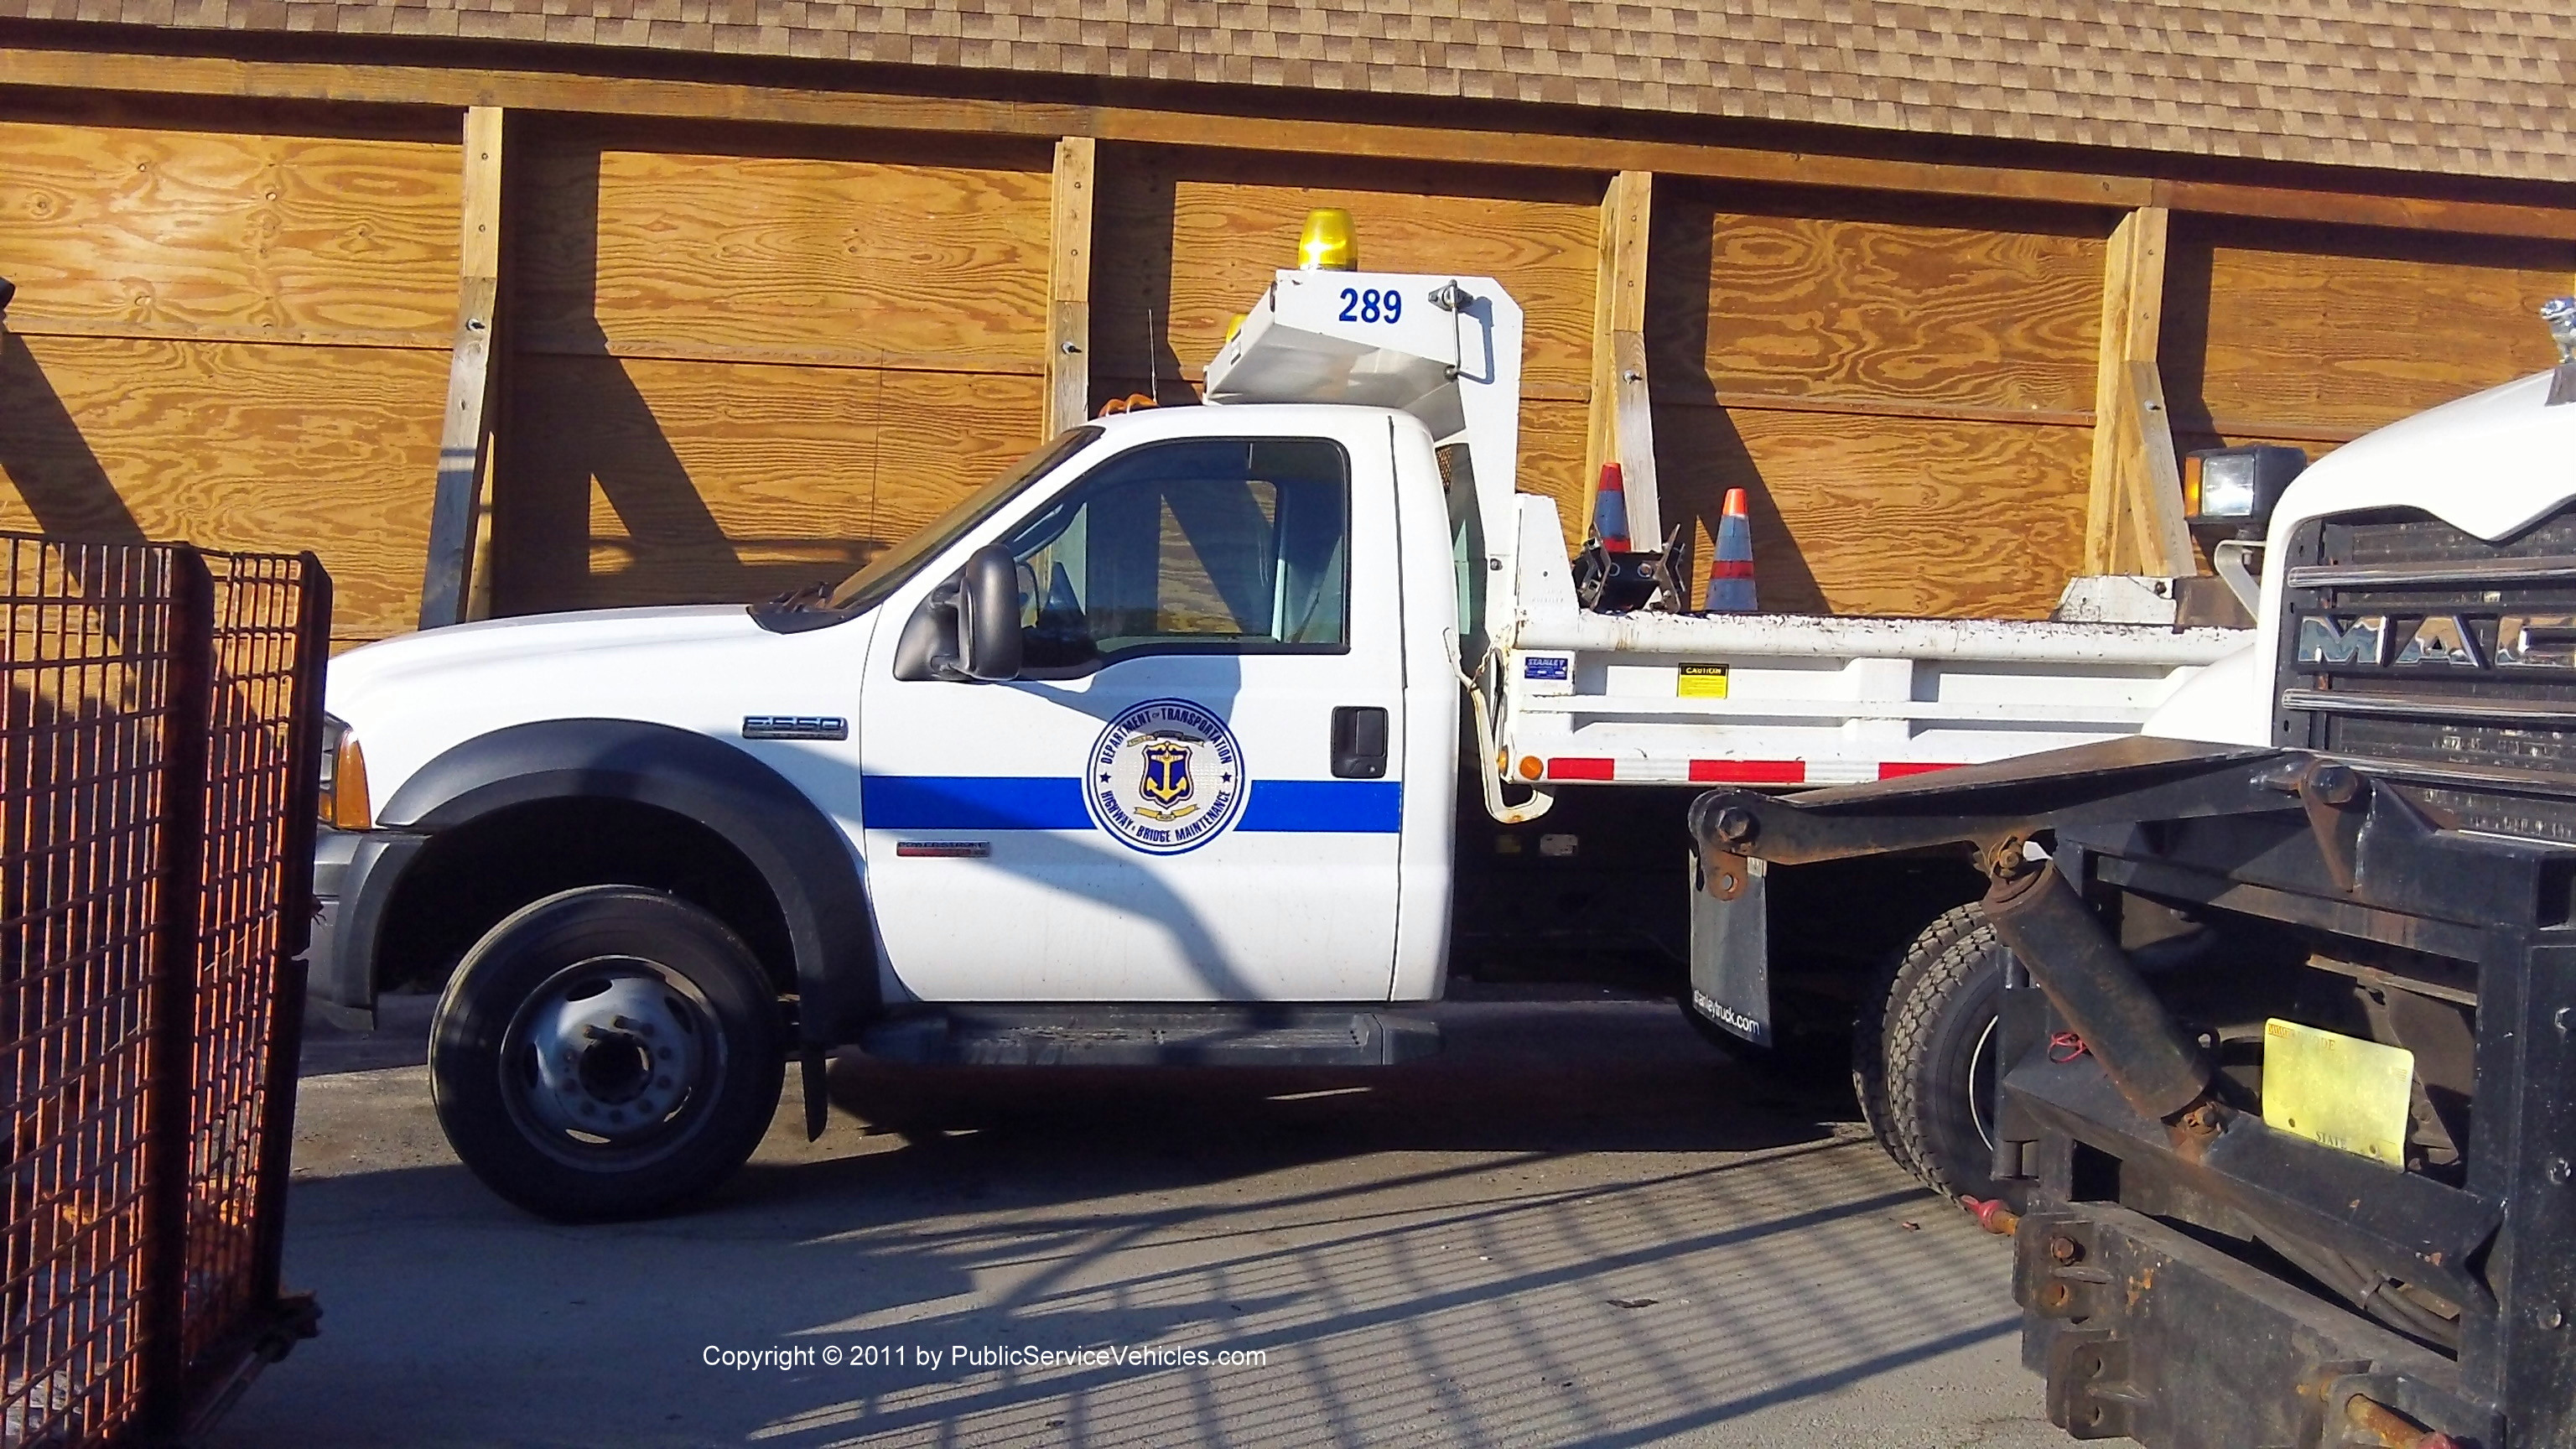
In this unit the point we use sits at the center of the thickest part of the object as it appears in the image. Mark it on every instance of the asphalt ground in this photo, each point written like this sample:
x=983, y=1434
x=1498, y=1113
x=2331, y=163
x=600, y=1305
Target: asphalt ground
x=1577, y=1225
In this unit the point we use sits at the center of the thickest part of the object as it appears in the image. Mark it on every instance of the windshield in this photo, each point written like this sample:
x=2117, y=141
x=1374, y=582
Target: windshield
x=869, y=586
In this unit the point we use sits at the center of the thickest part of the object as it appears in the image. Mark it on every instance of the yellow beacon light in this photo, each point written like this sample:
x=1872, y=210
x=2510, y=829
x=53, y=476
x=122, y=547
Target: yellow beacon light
x=1327, y=244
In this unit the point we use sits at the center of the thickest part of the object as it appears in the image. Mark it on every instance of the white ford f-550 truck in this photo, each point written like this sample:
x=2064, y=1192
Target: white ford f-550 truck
x=1149, y=751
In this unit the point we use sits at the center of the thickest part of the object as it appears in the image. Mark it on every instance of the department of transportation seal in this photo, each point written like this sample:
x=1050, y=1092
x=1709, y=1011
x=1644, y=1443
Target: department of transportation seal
x=1165, y=776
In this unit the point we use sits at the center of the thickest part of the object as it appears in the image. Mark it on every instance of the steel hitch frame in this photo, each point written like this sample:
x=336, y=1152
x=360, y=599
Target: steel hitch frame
x=2137, y=1165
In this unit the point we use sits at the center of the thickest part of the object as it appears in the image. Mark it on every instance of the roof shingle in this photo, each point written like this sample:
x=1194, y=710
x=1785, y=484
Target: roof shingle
x=2481, y=90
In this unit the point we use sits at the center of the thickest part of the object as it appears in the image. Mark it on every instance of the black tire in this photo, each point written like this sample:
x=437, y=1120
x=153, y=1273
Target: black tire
x=1940, y=1058
x=1869, y=1061
x=664, y=1037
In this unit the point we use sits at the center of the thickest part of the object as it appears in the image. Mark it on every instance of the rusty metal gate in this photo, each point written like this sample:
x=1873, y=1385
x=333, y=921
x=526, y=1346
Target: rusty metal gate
x=157, y=797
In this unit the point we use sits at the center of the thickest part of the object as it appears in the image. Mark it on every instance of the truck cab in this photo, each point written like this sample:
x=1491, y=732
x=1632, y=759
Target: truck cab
x=1166, y=717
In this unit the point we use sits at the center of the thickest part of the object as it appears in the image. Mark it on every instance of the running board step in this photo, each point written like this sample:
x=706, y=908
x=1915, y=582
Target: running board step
x=1219, y=1036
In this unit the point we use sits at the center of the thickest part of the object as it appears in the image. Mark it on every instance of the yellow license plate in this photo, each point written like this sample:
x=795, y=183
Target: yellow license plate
x=1703, y=681
x=2339, y=1090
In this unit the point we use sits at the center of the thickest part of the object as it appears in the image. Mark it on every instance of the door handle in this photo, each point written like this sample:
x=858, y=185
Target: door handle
x=1359, y=742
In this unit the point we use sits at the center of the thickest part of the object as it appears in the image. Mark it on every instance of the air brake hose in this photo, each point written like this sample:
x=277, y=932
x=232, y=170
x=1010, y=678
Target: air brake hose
x=1488, y=768
x=2098, y=991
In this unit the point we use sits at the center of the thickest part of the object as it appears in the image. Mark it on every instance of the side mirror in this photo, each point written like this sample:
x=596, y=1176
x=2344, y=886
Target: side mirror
x=988, y=615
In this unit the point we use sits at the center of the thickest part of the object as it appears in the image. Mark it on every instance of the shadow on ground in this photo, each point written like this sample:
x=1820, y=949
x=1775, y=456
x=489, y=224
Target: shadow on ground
x=1576, y=1225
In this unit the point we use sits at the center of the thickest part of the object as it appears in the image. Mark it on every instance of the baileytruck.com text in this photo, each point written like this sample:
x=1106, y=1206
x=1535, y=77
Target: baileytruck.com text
x=959, y=1357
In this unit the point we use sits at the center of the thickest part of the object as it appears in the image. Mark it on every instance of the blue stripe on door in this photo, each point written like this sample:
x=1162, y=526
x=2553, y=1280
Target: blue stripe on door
x=1369, y=807
x=973, y=802
x=1039, y=802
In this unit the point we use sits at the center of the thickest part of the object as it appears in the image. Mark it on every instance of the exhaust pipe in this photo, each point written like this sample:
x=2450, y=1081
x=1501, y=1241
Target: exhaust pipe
x=2098, y=992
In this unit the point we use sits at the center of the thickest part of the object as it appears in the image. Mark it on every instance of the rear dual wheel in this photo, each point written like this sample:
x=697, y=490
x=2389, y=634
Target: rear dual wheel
x=1927, y=1056
x=607, y=1052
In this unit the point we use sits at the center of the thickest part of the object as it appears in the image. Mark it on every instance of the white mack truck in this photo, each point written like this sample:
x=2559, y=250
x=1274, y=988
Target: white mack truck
x=2283, y=1107
x=1149, y=751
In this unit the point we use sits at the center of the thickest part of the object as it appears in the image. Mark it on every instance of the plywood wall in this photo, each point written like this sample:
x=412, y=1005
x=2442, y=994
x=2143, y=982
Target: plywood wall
x=2313, y=335
x=230, y=337
x=735, y=360
x=742, y=361
x=1185, y=241
x=1903, y=390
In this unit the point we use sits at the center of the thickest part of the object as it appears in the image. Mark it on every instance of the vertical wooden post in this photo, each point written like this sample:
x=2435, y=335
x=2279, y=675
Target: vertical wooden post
x=464, y=437
x=2134, y=521
x=1621, y=427
x=1068, y=362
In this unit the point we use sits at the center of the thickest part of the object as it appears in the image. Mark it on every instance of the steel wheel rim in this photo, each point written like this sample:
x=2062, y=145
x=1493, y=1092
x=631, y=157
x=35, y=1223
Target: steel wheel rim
x=612, y=1063
x=1982, y=1091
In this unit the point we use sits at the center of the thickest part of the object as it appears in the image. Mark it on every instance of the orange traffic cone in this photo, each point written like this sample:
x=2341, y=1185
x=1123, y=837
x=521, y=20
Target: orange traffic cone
x=1610, y=511
x=1730, y=574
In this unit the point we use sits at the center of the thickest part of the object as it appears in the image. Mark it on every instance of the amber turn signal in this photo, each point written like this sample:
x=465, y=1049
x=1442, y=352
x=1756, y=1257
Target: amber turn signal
x=344, y=802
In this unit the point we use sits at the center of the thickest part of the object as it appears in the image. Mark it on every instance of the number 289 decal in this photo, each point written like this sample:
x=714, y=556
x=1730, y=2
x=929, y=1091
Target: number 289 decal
x=1371, y=304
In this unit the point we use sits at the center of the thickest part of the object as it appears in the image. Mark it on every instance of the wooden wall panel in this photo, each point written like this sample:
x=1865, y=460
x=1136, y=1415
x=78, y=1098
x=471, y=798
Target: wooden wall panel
x=647, y=481
x=1813, y=296
x=211, y=234
x=787, y=258
x=1903, y=388
x=943, y=435
x=1229, y=237
x=1184, y=242
x=1552, y=435
x=232, y=337
x=232, y=445
x=2319, y=333
x=1887, y=515
x=737, y=373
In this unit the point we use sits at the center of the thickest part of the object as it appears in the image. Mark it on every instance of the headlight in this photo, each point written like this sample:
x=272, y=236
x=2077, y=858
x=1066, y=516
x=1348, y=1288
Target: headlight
x=2226, y=487
x=2237, y=487
x=344, y=779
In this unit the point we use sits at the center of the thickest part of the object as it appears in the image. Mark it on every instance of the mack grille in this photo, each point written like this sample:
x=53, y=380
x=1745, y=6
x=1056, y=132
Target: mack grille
x=2440, y=658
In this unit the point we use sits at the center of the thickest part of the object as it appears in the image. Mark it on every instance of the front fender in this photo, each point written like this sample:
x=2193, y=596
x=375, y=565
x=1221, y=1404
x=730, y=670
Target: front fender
x=802, y=856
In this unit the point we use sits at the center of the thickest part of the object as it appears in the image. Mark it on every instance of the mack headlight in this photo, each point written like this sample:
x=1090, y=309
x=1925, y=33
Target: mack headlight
x=2235, y=489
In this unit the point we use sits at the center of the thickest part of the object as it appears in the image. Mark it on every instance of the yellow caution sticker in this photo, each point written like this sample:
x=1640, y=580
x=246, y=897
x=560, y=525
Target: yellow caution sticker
x=1703, y=681
x=2339, y=1090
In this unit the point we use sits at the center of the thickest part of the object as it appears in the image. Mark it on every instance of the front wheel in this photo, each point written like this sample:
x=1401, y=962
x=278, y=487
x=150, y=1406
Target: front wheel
x=606, y=1052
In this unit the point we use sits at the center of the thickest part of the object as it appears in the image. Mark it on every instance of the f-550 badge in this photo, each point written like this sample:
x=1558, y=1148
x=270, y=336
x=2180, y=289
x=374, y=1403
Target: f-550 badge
x=1165, y=776
x=2443, y=641
x=795, y=727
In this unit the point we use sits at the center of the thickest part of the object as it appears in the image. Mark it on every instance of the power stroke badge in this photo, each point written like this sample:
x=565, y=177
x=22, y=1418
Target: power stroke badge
x=1166, y=776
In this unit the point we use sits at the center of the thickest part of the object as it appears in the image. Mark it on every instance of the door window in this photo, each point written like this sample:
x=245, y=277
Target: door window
x=1203, y=545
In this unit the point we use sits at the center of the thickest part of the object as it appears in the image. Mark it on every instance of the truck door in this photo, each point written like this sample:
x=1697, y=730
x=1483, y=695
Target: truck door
x=1191, y=793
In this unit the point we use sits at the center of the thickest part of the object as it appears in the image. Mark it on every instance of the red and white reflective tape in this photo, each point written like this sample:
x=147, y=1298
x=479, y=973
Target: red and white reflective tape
x=1748, y=772
x=1898, y=769
x=1605, y=769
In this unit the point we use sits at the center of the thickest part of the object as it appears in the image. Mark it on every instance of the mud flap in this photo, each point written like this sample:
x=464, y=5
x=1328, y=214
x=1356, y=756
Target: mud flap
x=818, y=1103
x=1730, y=953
